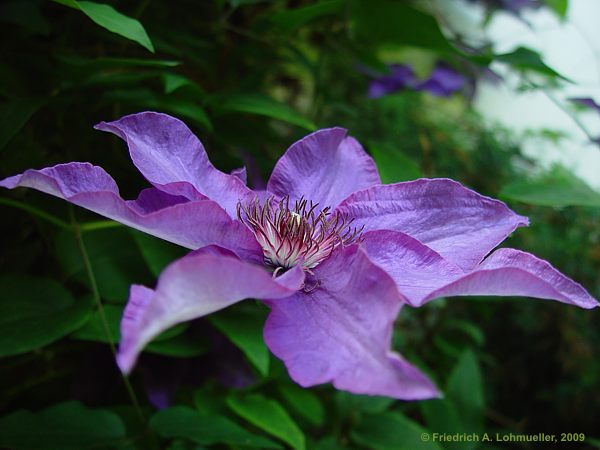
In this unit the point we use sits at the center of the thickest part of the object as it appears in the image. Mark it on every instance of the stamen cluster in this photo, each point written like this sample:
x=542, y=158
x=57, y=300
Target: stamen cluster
x=297, y=235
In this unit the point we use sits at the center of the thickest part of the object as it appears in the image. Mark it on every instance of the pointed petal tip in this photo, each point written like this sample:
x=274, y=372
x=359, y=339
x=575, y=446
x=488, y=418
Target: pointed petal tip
x=172, y=158
x=125, y=363
x=523, y=221
x=593, y=303
x=458, y=223
x=196, y=285
x=326, y=166
x=101, y=126
x=104, y=124
x=10, y=182
x=334, y=128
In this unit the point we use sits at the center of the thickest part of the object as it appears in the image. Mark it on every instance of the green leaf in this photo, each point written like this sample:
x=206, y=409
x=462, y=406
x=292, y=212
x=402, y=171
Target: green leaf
x=442, y=416
x=14, y=114
x=182, y=345
x=304, y=402
x=393, y=22
x=183, y=108
x=156, y=252
x=391, y=431
x=558, y=188
x=394, y=166
x=593, y=442
x=264, y=106
x=115, y=259
x=329, y=443
x=526, y=59
x=560, y=7
x=236, y=3
x=349, y=403
x=98, y=63
x=292, y=19
x=178, y=106
x=465, y=390
x=243, y=326
x=64, y=426
x=269, y=416
x=468, y=328
x=35, y=312
x=111, y=19
x=204, y=429
x=93, y=329
x=181, y=444
x=25, y=14
x=174, y=81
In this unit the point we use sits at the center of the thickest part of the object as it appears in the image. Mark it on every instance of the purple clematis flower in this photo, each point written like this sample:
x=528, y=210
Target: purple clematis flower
x=442, y=82
x=333, y=252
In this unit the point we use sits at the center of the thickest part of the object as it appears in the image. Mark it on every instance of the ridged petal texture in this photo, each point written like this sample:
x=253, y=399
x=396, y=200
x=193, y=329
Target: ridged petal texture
x=192, y=287
x=341, y=332
x=422, y=275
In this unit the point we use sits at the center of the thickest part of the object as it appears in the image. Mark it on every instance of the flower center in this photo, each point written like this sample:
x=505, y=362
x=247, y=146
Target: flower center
x=297, y=235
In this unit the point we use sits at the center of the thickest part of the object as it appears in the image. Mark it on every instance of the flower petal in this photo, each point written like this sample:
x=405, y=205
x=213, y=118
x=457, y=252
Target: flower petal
x=458, y=223
x=241, y=173
x=166, y=151
x=416, y=269
x=152, y=199
x=192, y=287
x=341, y=331
x=512, y=272
x=189, y=224
x=325, y=167
x=422, y=275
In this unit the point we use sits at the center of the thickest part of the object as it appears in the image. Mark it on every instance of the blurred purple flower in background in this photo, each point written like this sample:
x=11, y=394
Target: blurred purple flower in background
x=333, y=252
x=513, y=6
x=589, y=103
x=400, y=77
x=517, y=6
x=442, y=82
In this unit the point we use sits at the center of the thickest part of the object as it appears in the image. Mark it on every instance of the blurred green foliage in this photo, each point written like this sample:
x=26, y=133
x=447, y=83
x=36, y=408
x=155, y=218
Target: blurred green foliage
x=250, y=77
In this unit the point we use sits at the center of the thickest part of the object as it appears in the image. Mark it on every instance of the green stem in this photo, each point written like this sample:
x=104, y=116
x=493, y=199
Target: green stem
x=36, y=212
x=89, y=226
x=573, y=116
x=96, y=294
x=562, y=107
x=99, y=225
